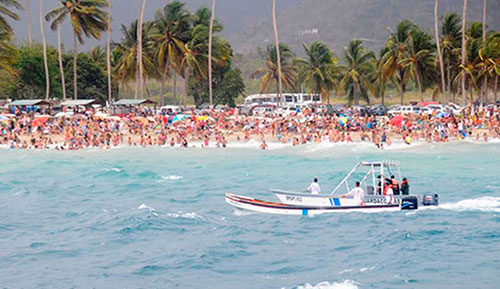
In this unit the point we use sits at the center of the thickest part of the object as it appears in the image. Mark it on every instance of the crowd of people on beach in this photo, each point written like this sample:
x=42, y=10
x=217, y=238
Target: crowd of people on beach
x=210, y=128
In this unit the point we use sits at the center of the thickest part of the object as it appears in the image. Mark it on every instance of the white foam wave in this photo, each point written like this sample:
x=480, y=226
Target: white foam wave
x=361, y=270
x=181, y=214
x=111, y=170
x=145, y=207
x=171, y=177
x=483, y=204
x=346, y=284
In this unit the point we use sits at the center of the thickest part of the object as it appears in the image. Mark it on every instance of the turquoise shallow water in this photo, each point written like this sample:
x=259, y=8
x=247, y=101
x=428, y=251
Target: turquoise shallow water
x=156, y=218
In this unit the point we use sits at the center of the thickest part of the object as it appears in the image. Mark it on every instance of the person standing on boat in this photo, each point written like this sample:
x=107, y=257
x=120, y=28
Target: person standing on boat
x=405, y=187
x=357, y=194
x=314, y=187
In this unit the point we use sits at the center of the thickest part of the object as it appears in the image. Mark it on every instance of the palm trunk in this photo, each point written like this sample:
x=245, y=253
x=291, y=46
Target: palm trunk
x=355, y=92
x=163, y=81
x=448, y=75
x=278, y=57
x=402, y=94
x=440, y=54
x=210, y=95
x=61, y=68
x=464, y=19
x=141, y=70
x=186, y=80
x=108, y=56
x=138, y=49
x=495, y=88
x=485, y=81
x=28, y=21
x=174, y=92
x=419, y=83
x=44, y=44
x=75, y=73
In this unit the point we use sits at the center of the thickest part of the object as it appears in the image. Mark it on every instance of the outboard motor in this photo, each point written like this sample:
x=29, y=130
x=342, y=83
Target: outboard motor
x=409, y=203
x=430, y=200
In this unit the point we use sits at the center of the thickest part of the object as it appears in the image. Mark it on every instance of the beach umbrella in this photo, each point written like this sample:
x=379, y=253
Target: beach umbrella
x=38, y=121
x=441, y=114
x=397, y=120
x=179, y=117
x=343, y=120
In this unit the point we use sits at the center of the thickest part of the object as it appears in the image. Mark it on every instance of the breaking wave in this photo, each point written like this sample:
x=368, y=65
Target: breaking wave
x=346, y=284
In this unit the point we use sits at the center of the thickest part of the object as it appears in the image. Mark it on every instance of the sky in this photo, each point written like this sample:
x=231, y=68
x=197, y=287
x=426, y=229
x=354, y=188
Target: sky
x=234, y=14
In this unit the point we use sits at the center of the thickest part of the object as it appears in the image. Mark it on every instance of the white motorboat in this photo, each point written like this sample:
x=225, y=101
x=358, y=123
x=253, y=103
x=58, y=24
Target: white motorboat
x=372, y=179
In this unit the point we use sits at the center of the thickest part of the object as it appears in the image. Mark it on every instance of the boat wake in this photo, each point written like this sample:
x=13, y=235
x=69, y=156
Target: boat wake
x=346, y=284
x=483, y=204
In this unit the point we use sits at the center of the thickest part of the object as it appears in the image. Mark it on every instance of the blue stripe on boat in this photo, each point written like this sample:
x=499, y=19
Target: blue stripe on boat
x=304, y=212
x=337, y=202
x=331, y=201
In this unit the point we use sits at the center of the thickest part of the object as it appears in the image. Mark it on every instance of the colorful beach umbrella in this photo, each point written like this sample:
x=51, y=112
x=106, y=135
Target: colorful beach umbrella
x=179, y=117
x=343, y=120
x=41, y=120
x=397, y=120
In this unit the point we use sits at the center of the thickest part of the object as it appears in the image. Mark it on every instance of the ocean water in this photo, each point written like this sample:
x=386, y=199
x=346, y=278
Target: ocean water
x=156, y=218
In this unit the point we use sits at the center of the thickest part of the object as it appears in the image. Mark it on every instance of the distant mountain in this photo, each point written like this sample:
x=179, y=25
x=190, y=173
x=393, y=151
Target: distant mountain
x=337, y=22
x=247, y=23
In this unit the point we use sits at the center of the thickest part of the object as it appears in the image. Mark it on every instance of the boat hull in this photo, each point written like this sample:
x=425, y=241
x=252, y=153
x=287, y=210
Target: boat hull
x=254, y=205
x=301, y=199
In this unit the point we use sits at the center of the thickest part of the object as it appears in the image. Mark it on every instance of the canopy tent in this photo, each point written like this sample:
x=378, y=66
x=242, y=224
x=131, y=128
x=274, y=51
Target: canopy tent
x=134, y=102
x=79, y=102
x=30, y=102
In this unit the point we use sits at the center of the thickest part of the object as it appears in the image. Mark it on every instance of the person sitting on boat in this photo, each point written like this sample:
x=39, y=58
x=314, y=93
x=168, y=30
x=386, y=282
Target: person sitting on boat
x=314, y=187
x=405, y=187
x=356, y=194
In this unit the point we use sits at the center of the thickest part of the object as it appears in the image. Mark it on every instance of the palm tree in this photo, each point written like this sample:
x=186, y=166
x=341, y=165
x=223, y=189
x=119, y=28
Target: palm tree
x=8, y=52
x=5, y=11
x=195, y=56
x=397, y=47
x=87, y=18
x=98, y=55
x=277, y=46
x=318, y=70
x=127, y=49
x=28, y=21
x=172, y=32
x=108, y=55
x=379, y=77
x=357, y=70
x=418, y=57
x=269, y=72
x=490, y=57
x=439, y=52
x=464, y=19
x=44, y=44
x=450, y=42
x=212, y=16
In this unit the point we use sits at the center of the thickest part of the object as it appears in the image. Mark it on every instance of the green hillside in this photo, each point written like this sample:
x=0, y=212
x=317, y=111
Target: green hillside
x=337, y=22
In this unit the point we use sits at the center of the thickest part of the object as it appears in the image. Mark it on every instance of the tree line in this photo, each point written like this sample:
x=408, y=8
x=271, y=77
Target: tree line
x=460, y=62
x=463, y=65
x=174, y=44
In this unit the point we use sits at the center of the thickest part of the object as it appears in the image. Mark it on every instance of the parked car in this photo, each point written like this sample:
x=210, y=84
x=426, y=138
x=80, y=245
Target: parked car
x=379, y=110
x=170, y=110
x=406, y=109
x=361, y=110
x=323, y=108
